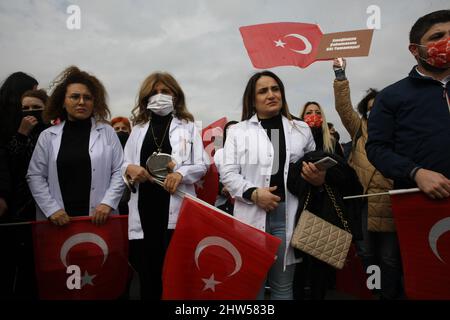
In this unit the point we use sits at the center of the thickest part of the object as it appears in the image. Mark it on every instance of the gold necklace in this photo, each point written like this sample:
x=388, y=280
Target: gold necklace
x=159, y=146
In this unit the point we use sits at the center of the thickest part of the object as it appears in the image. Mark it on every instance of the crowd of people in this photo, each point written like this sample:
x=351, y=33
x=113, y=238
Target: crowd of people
x=61, y=157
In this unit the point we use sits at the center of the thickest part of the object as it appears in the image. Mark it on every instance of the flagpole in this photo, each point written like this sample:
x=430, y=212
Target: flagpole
x=401, y=191
x=15, y=224
x=390, y=192
x=198, y=200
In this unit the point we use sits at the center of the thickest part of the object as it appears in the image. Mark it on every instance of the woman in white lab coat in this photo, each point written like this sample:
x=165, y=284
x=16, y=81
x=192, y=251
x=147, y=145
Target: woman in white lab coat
x=162, y=124
x=75, y=167
x=257, y=154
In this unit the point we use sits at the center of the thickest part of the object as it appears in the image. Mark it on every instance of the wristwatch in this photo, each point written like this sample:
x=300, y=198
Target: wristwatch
x=340, y=74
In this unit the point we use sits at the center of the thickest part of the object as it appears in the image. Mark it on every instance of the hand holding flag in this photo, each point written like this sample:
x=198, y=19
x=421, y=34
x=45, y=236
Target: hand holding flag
x=100, y=252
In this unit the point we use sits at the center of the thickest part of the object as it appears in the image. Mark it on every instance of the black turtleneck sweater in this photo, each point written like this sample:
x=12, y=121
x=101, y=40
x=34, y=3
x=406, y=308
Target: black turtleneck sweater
x=153, y=203
x=277, y=178
x=74, y=167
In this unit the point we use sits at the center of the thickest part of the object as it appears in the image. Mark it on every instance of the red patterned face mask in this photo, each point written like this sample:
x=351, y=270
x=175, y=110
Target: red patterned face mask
x=313, y=120
x=438, y=53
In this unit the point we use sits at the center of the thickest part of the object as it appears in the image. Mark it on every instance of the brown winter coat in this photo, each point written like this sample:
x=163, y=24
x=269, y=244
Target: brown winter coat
x=379, y=208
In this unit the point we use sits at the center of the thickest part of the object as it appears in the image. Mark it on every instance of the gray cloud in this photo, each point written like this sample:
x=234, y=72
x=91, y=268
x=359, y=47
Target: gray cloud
x=121, y=42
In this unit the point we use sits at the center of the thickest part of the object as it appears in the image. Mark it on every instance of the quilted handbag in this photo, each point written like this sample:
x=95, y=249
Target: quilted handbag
x=322, y=239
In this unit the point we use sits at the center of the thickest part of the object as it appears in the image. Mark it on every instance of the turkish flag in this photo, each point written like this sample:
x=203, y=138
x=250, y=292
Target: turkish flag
x=423, y=227
x=100, y=253
x=215, y=256
x=208, y=187
x=352, y=279
x=281, y=44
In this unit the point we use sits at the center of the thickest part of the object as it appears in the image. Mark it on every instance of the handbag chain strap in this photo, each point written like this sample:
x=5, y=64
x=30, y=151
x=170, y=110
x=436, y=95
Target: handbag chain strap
x=307, y=199
x=336, y=207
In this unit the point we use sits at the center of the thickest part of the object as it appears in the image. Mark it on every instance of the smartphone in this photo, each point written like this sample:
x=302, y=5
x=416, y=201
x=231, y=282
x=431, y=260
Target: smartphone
x=325, y=163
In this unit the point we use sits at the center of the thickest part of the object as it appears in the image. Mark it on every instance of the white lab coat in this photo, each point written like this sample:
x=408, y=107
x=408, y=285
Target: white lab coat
x=106, y=156
x=191, y=161
x=248, y=162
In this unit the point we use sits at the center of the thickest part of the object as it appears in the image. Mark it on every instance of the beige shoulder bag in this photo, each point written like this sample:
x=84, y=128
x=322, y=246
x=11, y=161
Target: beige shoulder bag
x=321, y=239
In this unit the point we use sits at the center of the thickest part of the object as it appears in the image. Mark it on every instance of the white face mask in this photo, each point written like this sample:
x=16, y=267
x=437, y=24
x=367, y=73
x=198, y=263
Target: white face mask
x=160, y=104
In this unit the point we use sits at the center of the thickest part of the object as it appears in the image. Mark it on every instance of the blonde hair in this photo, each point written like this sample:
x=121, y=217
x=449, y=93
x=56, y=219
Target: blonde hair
x=328, y=140
x=140, y=112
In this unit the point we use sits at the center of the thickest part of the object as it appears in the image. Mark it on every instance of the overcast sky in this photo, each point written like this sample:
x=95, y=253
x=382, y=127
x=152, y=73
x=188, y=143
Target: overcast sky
x=122, y=42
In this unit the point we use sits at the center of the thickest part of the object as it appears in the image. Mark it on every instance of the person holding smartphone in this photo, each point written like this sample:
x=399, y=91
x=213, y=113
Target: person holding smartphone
x=337, y=180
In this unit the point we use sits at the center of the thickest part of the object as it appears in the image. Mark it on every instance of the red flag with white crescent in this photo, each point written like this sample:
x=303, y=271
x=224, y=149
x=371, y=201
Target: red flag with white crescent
x=281, y=44
x=213, y=256
x=99, y=252
x=352, y=278
x=208, y=187
x=423, y=227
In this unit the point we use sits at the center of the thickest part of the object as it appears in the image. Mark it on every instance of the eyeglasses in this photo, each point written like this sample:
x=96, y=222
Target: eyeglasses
x=76, y=97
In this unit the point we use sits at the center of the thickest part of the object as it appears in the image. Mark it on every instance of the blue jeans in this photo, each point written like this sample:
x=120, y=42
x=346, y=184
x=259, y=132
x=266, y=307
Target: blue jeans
x=382, y=249
x=280, y=281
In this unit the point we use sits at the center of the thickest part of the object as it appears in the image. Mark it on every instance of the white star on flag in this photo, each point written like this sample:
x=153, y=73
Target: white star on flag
x=210, y=283
x=87, y=279
x=199, y=184
x=279, y=43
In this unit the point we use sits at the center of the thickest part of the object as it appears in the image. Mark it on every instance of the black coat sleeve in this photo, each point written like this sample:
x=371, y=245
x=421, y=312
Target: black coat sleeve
x=293, y=183
x=380, y=146
x=338, y=149
x=5, y=179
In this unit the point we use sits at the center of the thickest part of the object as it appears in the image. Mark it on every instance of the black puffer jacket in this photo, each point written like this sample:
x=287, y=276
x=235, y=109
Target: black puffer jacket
x=341, y=179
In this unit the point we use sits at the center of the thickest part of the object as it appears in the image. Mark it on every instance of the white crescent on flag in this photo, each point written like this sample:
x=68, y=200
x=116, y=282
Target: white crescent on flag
x=308, y=46
x=82, y=238
x=438, y=229
x=221, y=242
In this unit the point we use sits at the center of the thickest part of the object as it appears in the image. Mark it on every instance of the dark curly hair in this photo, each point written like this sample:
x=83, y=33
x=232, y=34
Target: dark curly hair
x=363, y=104
x=55, y=108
